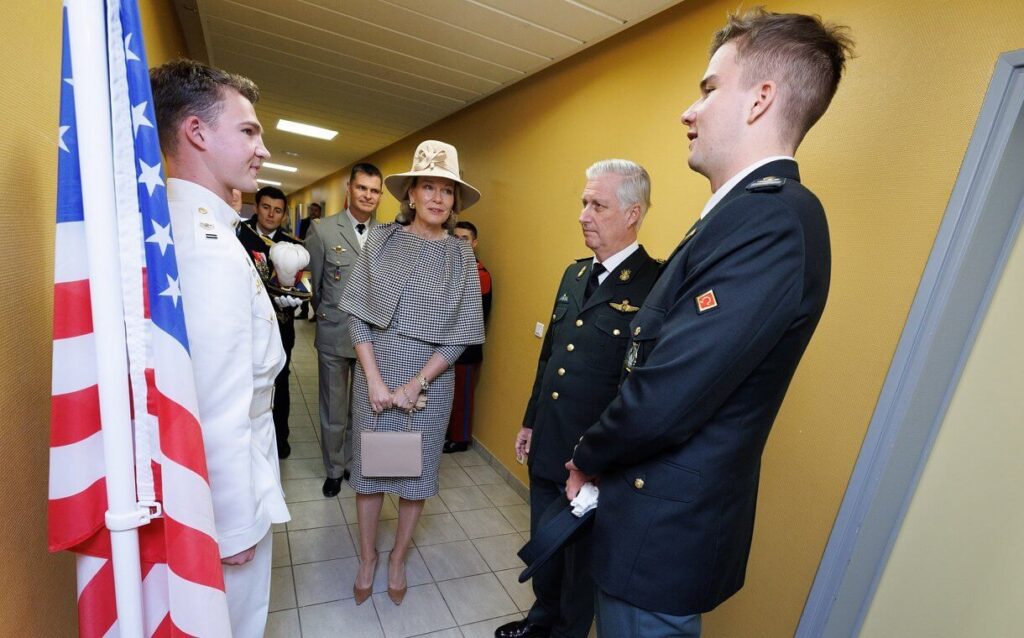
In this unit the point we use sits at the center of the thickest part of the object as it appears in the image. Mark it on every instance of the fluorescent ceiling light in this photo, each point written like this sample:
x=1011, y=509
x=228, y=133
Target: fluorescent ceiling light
x=279, y=167
x=306, y=129
x=268, y=182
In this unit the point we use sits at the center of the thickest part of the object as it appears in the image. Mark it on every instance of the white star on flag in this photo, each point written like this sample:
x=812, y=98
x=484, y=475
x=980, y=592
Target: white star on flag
x=161, y=236
x=128, y=53
x=139, y=118
x=60, y=139
x=70, y=81
x=173, y=290
x=150, y=176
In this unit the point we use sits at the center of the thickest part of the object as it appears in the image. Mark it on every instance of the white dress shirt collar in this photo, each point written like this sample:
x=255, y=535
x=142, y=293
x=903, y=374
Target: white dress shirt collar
x=360, y=236
x=736, y=179
x=616, y=260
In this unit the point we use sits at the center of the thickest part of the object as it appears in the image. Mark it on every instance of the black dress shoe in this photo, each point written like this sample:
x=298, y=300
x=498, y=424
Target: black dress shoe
x=455, y=446
x=522, y=629
x=283, y=450
x=332, y=486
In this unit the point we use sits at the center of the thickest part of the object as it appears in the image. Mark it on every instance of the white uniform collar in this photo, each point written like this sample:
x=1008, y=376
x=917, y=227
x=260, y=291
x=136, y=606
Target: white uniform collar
x=736, y=179
x=185, y=191
x=615, y=260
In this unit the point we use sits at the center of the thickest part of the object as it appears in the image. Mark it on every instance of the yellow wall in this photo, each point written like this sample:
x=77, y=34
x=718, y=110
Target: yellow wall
x=956, y=567
x=38, y=591
x=883, y=160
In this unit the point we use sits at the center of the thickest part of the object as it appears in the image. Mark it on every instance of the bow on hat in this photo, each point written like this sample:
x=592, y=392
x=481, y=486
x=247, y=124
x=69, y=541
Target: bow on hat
x=427, y=159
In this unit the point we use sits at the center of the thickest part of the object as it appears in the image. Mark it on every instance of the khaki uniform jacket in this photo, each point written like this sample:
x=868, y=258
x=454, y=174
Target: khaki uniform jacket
x=333, y=248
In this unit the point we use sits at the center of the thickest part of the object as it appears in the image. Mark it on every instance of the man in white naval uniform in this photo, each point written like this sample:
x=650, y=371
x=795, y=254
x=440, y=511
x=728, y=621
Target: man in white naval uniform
x=213, y=143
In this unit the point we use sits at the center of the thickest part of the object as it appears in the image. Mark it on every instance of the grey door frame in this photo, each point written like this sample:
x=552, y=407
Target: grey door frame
x=978, y=229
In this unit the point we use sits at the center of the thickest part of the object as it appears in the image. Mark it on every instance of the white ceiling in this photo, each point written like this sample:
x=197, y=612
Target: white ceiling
x=377, y=70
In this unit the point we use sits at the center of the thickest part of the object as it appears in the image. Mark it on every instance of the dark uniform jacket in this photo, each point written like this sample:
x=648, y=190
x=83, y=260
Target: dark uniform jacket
x=581, y=358
x=258, y=249
x=712, y=353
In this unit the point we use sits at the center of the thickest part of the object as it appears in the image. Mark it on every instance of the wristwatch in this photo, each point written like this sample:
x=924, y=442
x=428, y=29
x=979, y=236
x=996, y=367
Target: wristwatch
x=424, y=384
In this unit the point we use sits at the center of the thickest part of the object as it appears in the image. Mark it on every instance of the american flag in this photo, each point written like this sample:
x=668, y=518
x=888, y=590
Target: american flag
x=182, y=582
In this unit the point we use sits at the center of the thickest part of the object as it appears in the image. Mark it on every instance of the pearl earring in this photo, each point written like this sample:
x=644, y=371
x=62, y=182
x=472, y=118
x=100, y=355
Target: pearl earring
x=412, y=205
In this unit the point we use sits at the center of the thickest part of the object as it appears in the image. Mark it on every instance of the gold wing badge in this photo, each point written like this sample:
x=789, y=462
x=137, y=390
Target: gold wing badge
x=624, y=306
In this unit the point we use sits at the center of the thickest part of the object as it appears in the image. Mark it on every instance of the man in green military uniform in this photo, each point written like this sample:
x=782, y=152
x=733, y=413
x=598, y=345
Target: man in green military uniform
x=578, y=375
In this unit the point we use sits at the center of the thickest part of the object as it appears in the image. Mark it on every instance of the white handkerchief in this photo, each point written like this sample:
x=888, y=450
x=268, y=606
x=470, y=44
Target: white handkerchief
x=585, y=501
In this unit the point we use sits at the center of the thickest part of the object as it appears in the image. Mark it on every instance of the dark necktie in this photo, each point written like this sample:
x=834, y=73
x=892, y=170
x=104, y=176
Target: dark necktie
x=360, y=228
x=592, y=282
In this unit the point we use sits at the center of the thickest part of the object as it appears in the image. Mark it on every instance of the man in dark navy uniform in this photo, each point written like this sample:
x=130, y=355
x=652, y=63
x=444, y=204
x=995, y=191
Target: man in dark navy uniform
x=717, y=341
x=578, y=374
x=257, y=236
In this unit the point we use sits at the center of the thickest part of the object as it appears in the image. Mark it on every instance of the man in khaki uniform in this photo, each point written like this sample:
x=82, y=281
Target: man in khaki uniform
x=334, y=243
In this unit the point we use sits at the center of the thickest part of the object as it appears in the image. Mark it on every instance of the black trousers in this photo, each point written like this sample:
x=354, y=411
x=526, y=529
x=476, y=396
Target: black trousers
x=282, y=398
x=563, y=586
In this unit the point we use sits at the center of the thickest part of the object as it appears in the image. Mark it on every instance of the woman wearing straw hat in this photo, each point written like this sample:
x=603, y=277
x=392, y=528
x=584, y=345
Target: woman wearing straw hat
x=414, y=301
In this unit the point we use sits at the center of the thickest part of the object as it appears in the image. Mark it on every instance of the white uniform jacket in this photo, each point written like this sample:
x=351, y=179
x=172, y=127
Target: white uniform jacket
x=236, y=354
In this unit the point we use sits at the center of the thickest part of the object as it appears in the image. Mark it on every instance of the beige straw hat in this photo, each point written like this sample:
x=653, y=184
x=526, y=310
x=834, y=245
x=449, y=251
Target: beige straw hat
x=434, y=159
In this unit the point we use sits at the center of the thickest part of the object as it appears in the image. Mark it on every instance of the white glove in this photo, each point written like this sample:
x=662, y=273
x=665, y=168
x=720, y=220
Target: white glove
x=287, y=301
x=586, y=500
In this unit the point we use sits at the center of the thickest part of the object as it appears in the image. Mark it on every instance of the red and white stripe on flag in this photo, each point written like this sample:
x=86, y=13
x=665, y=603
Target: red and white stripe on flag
x=182, y=583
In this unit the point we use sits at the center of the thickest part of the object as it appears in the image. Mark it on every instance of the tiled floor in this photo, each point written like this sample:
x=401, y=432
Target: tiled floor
x=462, y=569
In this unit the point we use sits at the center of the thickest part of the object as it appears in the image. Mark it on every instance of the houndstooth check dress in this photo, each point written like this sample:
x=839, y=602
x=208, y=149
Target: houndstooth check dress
x=410, y=297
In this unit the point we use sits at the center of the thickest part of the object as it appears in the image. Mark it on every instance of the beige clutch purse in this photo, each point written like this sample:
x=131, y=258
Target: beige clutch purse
x=391, y=454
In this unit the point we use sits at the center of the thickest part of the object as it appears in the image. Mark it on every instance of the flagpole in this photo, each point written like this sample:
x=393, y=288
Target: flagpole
x=87, y=34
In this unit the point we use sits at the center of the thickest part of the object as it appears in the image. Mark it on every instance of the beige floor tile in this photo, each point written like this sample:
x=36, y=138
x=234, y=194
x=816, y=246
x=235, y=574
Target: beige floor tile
x=281, y=556
x=320, y=543
x=501, y=494
x=464, y=498
x=518, y=516
x=453, y=477
x=302, y=468
x=325, y=581
x=453, y=560
x=422, y=611
x=481, y=523
x=282, y=589
x=476, y=598
x=340, y=618
x=500, y=551
x=521, y=593
x=283, y=624
x=439, y=528
x=468, y=458
x=307, y=489
x=322, y=513
x=447, y=462
x=483, y=474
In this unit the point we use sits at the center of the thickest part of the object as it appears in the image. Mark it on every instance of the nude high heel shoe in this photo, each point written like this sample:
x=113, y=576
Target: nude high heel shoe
x=362, y=593
x=397, y=594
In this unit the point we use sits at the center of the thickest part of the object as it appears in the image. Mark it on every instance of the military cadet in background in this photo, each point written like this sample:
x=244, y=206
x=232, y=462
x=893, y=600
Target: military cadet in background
x=578, y=375
x=257, y=236
x=467, y=368
x=213, y=143
x=333, y=243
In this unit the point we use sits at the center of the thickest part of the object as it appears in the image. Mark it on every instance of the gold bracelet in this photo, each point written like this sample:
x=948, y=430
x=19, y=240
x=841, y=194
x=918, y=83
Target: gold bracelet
x=424, y=384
